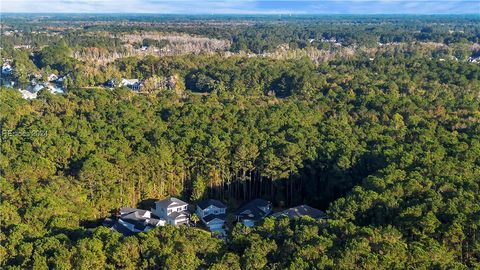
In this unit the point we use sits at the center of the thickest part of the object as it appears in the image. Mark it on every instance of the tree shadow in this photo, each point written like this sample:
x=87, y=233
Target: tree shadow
x=92, y=223
x=147, y=204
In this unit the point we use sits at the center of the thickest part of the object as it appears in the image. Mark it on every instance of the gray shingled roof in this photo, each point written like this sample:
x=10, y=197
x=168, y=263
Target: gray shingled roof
x=137, y=214
x=301, y=210
x=252, y=210
x=170, y=202
x=121, y=229
x=141, y=227
x=132, y=216
x=133, y=219
x=213, y=216
x=206, y=203
x=127, y=210
x=175, y=215
x=153, y=221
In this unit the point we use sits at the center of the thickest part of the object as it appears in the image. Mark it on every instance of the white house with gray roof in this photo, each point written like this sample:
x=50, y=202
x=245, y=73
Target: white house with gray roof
x=7, y=69
x=172, y=210
x=133, y=84
x=212, y=213
x=132, y=220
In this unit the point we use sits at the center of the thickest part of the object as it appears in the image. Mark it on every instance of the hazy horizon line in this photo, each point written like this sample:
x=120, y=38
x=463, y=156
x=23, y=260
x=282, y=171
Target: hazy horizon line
x=242, y=14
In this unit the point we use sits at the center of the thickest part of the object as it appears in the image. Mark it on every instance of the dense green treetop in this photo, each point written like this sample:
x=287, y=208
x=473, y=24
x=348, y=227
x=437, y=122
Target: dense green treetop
x=386, y=140
x=388, y=147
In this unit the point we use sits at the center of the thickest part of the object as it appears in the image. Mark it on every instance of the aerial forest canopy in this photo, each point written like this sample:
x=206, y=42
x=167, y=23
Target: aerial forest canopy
x=387, y=143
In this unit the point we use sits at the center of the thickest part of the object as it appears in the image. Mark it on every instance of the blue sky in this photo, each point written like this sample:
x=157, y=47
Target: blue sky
x=245, y=6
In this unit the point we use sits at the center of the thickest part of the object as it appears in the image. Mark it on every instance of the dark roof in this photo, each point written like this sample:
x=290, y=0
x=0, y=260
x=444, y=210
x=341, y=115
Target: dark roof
x=213, y=216
x=252, y=214
x=122, y=229
x=133, y=220
x=135, y=217
x=132, y=213
x=108, y=222
x=153, y=221
x=252, y=210
x=127, y=210
x=300, y=211
x=206, y=203
x=254, y=204
x=141, y=227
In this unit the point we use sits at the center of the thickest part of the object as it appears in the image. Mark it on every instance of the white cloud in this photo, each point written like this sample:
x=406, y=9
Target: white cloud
x=240, y=7
x=131, y=6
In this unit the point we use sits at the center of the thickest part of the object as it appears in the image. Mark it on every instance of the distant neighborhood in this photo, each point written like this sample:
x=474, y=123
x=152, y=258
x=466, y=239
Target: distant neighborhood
x=54, y=83
x=57, y=83
x=211, y=213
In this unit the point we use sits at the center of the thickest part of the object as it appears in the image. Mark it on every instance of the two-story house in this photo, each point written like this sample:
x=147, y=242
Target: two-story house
x=253, y=211
x=172, y=210
x=132, y=220
x=212, y=213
